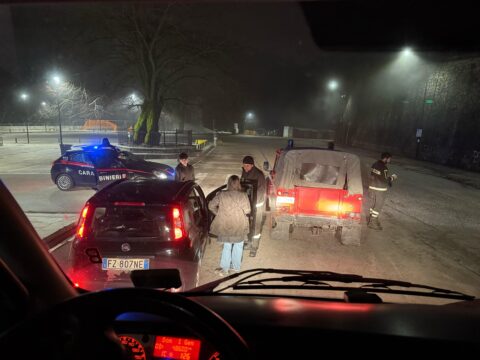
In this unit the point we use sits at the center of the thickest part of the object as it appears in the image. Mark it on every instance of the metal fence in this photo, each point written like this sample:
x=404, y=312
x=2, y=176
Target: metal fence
x=169, y=138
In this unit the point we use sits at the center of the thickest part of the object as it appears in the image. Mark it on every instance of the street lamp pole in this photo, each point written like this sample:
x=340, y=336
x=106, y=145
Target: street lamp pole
x=24, y=98
x=59, y=121
x=57, y=82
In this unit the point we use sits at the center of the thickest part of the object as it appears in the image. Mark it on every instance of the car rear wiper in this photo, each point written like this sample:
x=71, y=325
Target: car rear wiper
x=322, y=280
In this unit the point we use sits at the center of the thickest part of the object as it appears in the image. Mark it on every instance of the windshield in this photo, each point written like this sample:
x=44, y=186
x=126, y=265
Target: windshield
x=100, y=94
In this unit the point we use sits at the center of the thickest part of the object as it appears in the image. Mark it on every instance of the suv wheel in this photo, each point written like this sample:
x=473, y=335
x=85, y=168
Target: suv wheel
x=64, y=182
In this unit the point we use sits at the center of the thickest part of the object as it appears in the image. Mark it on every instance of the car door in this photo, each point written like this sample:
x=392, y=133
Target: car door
x=81, y=169
x=250, y=187
x=199, y=220
x=109, y=167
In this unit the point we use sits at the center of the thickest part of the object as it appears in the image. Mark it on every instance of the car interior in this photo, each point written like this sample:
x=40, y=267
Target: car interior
x=258, y=313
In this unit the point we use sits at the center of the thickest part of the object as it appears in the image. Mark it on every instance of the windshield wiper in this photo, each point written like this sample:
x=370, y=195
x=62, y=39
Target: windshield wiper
x=322, y=280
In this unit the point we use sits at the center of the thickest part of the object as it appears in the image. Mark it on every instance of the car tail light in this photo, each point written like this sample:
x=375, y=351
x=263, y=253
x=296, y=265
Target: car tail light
x=82, y=222
x=128, y=203
x=178, y=226
x=351, y=206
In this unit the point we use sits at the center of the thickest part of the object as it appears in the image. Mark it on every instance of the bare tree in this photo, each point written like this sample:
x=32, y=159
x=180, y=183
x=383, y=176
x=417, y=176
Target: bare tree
x=74, y=103
x=153, y=43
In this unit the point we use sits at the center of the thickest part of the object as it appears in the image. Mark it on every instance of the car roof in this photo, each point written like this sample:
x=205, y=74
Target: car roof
x=306, y=148
x=149, y=191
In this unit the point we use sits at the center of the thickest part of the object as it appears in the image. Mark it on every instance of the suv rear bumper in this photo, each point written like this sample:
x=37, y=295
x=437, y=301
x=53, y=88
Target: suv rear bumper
x=318, y=221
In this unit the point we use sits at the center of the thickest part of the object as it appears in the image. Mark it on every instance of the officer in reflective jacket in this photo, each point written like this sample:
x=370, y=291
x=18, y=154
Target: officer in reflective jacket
x=380, y=181
x=251, y=172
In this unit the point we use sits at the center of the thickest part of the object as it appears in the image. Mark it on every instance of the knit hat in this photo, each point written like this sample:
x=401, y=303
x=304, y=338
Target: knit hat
x=248, y=160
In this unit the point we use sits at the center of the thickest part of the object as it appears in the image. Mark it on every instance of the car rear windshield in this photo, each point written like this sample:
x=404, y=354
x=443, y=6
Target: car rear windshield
x=120, y=222
x=318, y=173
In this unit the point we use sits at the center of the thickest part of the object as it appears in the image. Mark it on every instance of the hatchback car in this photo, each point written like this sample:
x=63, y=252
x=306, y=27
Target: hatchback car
x=96, y=167
x=138, y=225
x=316, y=188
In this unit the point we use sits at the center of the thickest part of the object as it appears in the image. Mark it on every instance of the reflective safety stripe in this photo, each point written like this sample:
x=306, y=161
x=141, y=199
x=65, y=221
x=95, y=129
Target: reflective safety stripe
x=377, y=189
x=374, y=215
x=375, y=171
x=374, y=212
x=260, y=204
x=257, y=236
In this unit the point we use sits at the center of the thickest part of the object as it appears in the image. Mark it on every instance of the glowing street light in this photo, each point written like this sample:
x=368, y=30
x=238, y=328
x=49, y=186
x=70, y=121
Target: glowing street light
x=407, y=51
x=332, y=85
x=24, y=96
x=43, y=103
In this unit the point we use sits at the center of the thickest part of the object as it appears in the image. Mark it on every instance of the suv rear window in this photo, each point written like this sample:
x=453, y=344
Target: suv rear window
x=317, y=173
x=120, y=222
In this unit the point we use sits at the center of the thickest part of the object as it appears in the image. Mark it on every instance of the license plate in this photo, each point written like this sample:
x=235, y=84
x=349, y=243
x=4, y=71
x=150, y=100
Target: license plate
x=125, y=264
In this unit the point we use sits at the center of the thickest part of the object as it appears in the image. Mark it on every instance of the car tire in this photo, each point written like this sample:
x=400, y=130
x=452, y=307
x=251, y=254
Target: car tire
x=64, y=182
x=349, y=235
x=280, y=230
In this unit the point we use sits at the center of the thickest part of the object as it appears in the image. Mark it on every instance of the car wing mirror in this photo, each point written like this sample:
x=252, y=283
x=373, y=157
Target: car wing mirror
x=266, y=165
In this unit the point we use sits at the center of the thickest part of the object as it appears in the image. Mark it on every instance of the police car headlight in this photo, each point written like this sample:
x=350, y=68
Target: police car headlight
x=160, y=175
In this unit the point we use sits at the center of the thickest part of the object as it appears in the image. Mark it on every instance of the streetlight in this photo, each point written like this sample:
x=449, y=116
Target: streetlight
x=407, y=51
x=57, y=80
x=332, y=85
x=249, y=116
x=340, y=122
x=24, y=98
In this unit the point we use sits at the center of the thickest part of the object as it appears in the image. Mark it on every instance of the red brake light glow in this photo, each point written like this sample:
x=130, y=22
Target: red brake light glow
x=85, y=212
x=176, y=213
x=81, y=222
x=128, y=203
x=178, y=228
x=80, y=231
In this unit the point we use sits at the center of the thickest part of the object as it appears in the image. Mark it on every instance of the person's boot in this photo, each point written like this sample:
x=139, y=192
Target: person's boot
x=369, y=219
x=374, y=224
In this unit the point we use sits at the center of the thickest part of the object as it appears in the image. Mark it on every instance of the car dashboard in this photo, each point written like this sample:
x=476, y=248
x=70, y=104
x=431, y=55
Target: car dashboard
x=275, y=327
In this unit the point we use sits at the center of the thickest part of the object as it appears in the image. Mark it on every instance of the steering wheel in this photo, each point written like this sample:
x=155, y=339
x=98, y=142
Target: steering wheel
x=81, y=328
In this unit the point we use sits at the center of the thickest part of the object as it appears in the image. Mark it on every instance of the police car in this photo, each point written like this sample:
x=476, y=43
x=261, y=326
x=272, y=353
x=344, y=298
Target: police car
x=96, y=166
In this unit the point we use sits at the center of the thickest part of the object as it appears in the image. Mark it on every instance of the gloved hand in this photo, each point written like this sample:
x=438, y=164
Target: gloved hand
x=394, y=176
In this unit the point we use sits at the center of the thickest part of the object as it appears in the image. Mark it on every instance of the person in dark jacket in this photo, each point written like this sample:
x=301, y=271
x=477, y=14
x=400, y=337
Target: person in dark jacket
x=230, y=224
x=379, y=183
x=251, y=172
x=184, y=171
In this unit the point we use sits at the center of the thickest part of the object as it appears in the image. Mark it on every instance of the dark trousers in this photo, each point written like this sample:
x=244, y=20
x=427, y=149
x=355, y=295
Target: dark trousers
x=254, y=242
x=377, y=199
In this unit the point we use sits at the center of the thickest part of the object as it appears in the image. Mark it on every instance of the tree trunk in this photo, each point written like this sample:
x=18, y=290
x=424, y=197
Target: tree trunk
x=146, y=127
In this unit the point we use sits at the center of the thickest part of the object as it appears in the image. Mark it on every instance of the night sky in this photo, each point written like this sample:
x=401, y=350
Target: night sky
x=281, y=70
x=277, y=62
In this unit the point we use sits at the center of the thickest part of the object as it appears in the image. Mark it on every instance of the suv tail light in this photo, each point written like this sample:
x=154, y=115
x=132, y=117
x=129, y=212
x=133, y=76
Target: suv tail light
x=352, y=206
x=178, y=226
x=82, y=222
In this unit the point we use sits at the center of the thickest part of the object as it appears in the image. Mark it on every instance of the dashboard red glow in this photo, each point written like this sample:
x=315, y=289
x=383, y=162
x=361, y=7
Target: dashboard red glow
x=176, y=348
